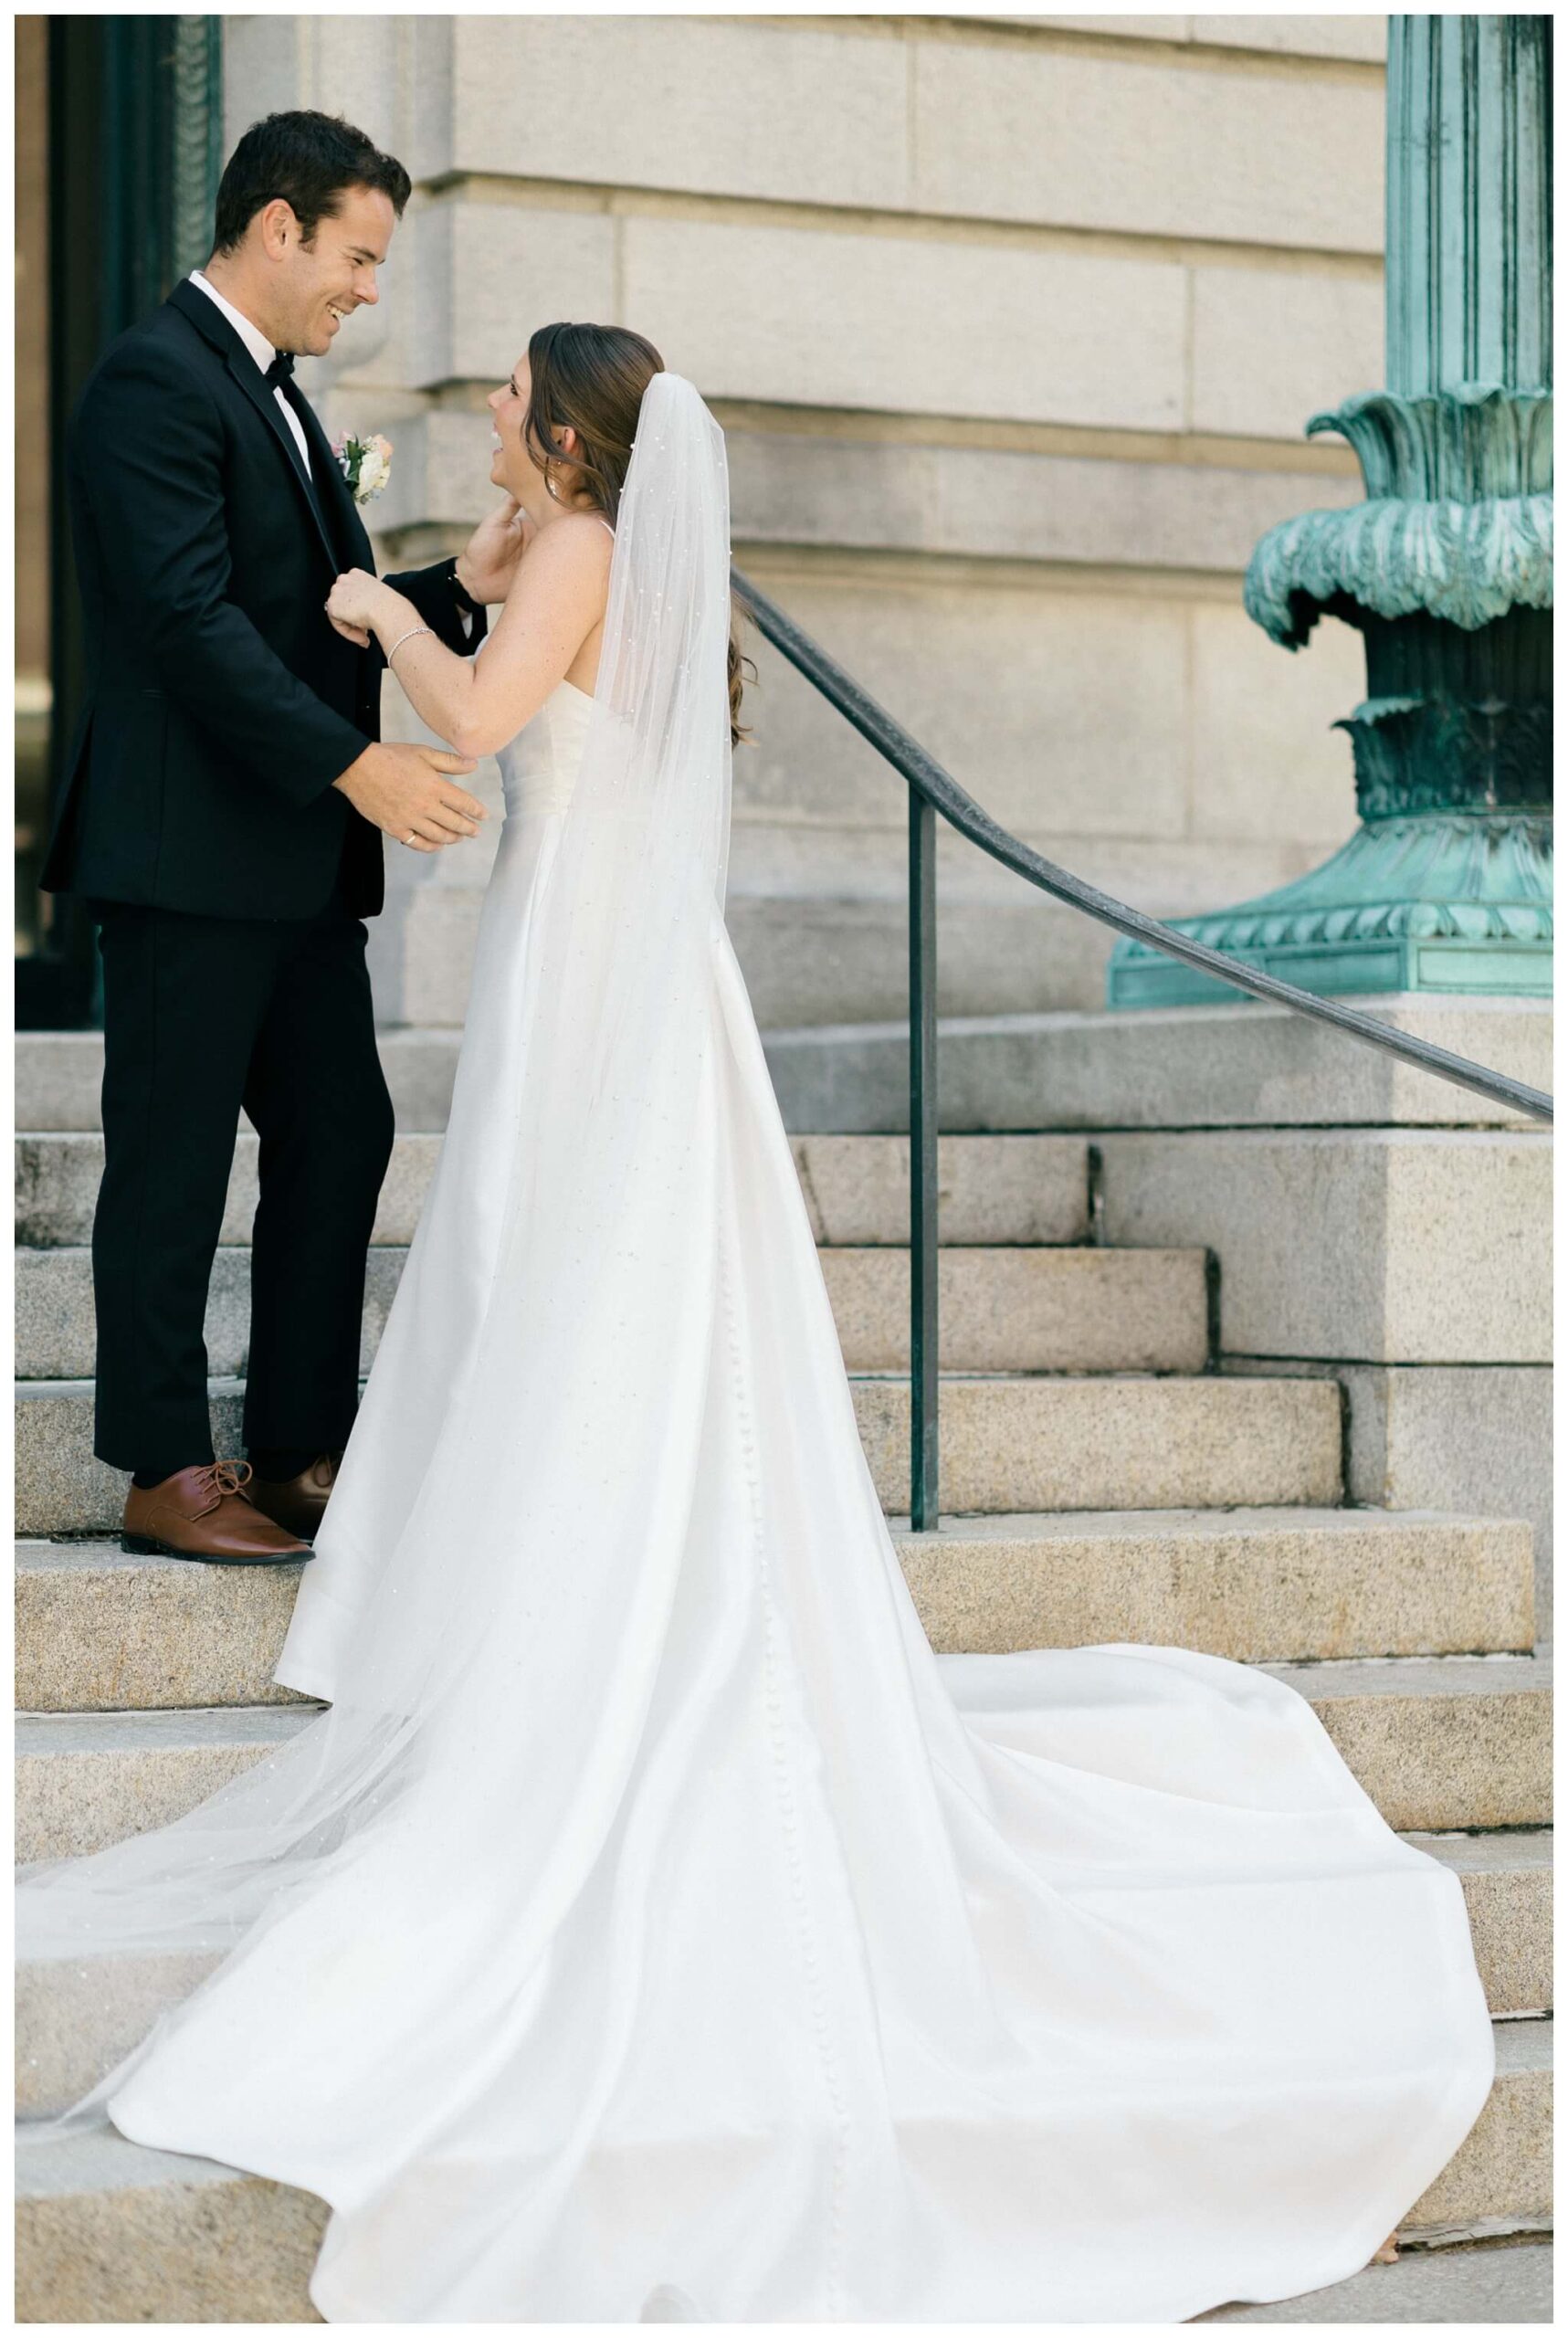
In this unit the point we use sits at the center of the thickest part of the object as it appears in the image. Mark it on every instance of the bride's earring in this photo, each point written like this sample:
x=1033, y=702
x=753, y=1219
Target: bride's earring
x=550, y=486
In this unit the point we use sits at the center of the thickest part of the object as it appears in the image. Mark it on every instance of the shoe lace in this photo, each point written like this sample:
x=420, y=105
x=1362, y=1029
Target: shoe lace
x=225, y=1477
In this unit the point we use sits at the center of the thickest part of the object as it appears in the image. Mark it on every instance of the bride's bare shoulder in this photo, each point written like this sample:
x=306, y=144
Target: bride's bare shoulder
x=580, y=541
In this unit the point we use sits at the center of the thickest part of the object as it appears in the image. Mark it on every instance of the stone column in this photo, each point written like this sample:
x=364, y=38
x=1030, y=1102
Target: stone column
x=1445, y=569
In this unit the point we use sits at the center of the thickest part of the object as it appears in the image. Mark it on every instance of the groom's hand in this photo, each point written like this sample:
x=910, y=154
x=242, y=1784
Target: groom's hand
x=405, y=792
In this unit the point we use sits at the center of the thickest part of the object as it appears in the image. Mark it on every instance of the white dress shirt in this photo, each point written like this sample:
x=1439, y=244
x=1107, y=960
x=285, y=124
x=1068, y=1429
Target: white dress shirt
x=261, y=349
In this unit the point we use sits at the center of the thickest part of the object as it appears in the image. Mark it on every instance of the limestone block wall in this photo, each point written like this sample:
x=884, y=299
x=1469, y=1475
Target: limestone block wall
x=1013, y=324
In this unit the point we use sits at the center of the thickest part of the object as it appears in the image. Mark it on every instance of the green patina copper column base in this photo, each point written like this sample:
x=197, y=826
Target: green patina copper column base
x=1445, y=569
x=1438, y=902
x=1447, y=885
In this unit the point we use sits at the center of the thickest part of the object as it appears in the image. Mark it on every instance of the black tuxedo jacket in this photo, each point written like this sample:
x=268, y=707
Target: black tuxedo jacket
x=220, y=703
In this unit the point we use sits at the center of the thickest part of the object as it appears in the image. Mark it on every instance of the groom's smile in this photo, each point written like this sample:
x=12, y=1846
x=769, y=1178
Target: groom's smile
x=302, y=291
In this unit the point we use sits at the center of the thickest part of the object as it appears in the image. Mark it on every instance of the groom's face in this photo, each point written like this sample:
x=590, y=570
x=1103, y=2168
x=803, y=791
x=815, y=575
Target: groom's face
x=321, y=282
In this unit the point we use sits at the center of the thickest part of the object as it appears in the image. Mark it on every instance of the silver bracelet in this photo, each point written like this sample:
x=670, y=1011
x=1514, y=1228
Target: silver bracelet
x=412, y=634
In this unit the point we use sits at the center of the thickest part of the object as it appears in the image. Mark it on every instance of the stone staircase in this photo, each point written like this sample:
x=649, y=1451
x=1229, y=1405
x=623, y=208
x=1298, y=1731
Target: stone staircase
x=1112, y=1474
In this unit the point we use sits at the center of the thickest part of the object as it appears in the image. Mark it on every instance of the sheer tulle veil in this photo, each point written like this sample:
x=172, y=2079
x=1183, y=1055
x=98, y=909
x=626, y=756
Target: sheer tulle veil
x=449, y=1732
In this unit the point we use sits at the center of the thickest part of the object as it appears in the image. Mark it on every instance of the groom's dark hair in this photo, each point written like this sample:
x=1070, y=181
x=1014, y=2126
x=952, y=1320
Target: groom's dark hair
x=308, y=159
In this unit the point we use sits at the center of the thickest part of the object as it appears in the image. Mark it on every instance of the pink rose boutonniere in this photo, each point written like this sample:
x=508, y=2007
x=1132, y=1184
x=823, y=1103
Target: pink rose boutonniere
x=365, y=463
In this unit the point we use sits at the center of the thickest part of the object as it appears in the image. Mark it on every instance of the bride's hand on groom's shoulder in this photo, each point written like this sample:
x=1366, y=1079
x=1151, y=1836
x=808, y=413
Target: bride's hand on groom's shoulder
x=488, y=562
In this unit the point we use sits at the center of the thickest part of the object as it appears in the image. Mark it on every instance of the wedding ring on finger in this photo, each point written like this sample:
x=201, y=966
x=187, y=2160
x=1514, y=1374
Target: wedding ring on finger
x=410, y=836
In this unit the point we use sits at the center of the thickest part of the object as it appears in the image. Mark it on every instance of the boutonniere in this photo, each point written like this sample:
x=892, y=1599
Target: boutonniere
x=365, y=463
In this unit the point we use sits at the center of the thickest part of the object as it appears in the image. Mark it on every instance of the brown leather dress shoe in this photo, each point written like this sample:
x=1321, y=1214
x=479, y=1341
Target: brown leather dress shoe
x=205, y=1512
x=296, y=1504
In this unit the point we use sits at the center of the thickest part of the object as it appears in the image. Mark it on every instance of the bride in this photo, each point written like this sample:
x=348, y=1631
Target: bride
x=654, y=1928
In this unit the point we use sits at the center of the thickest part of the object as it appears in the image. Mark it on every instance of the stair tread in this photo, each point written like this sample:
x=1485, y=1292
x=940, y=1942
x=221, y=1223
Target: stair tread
x=1008, y=1306
x=97, y=1628
x=1511, y=2283
x=33, y=1552
x=1122, y=1253
x=1401, y=1676
x=200, y=1725
x=1492, y=1851
x=100, y=2160
x=1023, y=1190
x=28, y=1390
x=233, y=1384
x=1226, y=1380
x=46, y=1058
x=1418, y=1676
x=1523, y=2046
x=1258, y=1518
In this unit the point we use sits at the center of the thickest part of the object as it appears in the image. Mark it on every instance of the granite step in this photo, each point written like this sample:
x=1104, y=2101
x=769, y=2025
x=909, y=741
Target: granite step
x=1062, y=1441
x=1508, y=2281
x=100, y=1630
x=1499, y=2179
x=58, y=1172
x=991, y=1189
x=1256, y=1582
x=1235, y=1064
x=1014, y=1311
x=77, y=2017
x=87, y=1779
x=1249, y=1064
x=1117, y=1441
x=59, y=1078
x=1002, y=1310
x=109, y=2231
x=1507, y=1875
x=1440, y=1743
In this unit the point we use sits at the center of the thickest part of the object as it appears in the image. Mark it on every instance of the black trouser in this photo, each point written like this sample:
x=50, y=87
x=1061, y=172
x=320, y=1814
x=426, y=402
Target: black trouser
x=202, y=1016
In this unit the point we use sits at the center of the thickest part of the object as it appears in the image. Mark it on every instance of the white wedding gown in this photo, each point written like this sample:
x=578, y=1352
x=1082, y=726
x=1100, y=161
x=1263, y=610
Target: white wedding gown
x=705, y=1947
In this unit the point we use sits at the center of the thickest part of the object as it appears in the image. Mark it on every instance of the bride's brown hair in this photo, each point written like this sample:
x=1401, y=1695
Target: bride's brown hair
x=591, y=379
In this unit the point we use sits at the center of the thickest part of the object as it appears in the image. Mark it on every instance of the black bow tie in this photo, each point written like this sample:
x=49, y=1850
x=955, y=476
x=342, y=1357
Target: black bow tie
x=280, y=370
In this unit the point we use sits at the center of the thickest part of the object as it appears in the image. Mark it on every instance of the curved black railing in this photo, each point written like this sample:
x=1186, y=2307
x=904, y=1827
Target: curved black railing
x=933, y=790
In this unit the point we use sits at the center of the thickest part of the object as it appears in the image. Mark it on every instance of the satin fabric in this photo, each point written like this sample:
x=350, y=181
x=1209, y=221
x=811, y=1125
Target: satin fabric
x=722, y=1953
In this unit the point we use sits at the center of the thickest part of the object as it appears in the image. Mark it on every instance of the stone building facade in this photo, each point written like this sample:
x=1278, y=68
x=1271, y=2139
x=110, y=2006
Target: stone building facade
x=1013, y=324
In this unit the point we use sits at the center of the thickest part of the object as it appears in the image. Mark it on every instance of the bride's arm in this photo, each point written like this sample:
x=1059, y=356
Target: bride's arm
x=556, y=599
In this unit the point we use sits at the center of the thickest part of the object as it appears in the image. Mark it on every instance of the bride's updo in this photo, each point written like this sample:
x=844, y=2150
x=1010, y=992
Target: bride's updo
x=590, y=378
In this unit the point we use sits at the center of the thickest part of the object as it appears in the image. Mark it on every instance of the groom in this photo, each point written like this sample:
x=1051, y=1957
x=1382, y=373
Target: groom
x=227, y=800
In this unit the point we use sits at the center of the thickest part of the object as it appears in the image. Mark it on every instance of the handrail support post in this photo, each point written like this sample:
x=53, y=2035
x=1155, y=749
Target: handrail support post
x=924, y=1452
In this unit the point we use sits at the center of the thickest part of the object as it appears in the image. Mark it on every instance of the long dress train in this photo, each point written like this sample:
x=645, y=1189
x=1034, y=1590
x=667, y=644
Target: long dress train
x=656, y=1928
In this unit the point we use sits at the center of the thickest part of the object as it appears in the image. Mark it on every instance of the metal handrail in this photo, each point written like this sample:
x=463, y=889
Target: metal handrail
x=934, y=790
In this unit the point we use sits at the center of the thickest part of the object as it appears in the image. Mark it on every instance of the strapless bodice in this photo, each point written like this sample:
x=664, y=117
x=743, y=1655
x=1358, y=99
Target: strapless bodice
x=539, y=767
